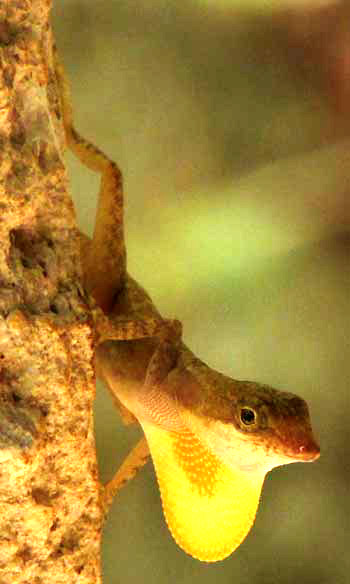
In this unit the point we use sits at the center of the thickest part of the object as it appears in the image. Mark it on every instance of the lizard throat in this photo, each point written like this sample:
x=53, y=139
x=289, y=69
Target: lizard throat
x=209, y=508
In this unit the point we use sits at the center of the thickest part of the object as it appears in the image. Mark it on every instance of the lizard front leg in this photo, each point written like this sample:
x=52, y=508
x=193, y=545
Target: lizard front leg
x=135, y=460
x=147, y=403
x=138, y=395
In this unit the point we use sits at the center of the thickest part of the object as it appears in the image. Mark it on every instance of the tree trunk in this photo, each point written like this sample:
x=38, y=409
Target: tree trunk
x=50, y=517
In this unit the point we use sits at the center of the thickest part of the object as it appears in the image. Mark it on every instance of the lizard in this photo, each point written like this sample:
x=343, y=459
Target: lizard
x=212, y=439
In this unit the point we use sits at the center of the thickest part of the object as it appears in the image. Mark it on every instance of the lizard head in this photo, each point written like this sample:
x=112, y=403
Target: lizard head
x=212, y=462
x=276, y=422
x=212, y=440
x=249, y=425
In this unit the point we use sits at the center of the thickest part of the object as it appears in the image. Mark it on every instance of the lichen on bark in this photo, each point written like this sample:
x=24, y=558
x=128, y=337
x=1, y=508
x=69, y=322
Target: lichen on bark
x=50, y=516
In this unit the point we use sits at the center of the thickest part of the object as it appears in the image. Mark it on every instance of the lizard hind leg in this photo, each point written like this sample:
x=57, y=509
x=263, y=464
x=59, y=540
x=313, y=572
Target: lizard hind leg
x=105, y=263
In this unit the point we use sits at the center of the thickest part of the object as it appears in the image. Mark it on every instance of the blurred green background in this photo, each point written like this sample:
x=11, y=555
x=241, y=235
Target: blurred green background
x=230, y=126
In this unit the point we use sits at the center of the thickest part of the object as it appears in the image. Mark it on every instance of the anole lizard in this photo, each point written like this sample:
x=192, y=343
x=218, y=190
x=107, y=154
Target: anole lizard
x=212, y=439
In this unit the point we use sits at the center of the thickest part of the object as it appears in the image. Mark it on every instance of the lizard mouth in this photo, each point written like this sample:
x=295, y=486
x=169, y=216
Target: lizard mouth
x=304, y=450
x=296, y=441
x=309, y=451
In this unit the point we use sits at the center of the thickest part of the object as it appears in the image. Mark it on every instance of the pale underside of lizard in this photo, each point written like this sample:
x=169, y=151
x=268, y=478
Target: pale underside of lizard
x=212, y=438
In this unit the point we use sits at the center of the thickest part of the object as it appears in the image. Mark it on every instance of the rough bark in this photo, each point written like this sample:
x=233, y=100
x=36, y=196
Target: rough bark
x=50, y=517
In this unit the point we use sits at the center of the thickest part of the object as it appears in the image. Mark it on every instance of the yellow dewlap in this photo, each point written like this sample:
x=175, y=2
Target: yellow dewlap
x=209, y=508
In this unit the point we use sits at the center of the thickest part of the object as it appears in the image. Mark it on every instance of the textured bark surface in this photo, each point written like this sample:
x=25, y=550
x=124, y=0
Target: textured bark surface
x=50, y=517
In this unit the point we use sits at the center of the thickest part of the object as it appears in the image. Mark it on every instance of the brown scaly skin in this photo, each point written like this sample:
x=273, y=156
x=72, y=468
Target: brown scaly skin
x=283, y=418
x=283, y=422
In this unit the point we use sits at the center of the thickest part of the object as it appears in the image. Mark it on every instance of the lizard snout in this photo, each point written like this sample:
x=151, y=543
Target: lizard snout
x=309, y=450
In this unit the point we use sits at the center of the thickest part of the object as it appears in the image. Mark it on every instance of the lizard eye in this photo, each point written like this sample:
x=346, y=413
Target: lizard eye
x=248, y=416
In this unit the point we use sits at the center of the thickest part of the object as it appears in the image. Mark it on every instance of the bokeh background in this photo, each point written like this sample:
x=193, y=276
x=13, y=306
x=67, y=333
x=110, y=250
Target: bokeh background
x=230, y=121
